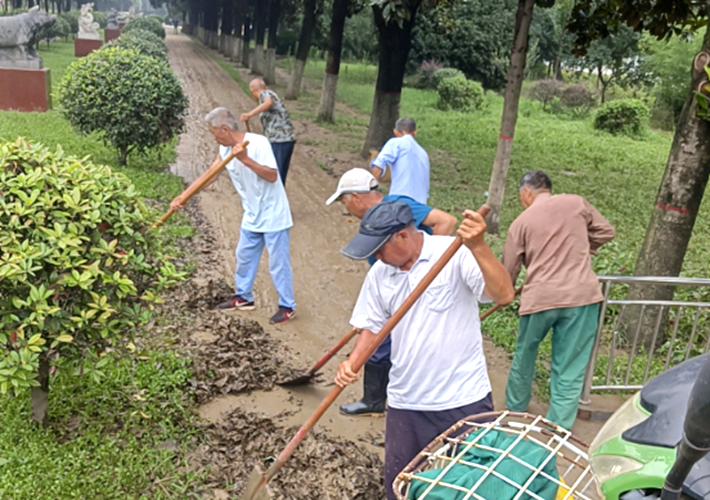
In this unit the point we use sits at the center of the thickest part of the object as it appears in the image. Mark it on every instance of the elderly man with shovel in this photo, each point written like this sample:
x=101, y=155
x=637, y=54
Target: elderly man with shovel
x=358, y=190
x=438, y=373
x=267, y=215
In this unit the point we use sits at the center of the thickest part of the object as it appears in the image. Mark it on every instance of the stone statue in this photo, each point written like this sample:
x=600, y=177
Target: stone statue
x=112, y=20
x=124, y=17
x=87, y=27
x=18, y=35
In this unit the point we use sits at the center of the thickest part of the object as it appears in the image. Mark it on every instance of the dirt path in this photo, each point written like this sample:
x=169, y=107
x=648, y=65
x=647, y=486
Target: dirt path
x=326, y=284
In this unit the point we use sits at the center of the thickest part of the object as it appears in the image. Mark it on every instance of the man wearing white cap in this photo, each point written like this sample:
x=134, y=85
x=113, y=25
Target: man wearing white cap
x=358, y=190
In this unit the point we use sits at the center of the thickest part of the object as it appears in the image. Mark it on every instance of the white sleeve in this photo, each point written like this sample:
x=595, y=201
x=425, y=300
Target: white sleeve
x=264, y=155
x=471, y=274
x=369, y=312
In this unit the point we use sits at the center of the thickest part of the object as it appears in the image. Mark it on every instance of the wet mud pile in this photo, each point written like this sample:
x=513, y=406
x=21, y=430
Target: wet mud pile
x=232, y=355
x=322, y=467
x=241, y=359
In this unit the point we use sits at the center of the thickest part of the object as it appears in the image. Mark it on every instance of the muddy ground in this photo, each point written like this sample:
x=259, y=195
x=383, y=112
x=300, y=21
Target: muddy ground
x=326, y=286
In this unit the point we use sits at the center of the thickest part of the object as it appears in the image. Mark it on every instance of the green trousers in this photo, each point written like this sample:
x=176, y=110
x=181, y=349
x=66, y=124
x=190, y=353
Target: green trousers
x=573, y=333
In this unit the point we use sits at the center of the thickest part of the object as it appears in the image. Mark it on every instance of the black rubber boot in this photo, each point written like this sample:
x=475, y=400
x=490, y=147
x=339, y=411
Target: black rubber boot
x=374, y=392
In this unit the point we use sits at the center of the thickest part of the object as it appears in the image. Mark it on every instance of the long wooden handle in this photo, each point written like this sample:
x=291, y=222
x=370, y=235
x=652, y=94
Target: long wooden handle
x=328, y=355
x=344, y=341
x=371, y=348
x=498, y=306
x=199, y=183
x=248, y=126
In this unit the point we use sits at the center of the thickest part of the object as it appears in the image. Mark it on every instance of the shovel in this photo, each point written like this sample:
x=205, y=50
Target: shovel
x=257, y=488
x=305, y=378
x=199, y=183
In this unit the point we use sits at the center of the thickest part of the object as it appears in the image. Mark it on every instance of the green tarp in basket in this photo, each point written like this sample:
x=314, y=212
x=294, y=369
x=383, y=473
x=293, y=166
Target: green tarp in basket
x=492, y=487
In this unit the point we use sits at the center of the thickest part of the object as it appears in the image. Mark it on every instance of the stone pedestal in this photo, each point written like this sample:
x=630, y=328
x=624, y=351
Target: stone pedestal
x=25, y=89
x=111, y=34
x=121, y=25
x=85, y=46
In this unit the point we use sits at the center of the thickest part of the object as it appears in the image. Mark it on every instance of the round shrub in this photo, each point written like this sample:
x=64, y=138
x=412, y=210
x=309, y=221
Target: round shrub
x=460, y=94
x=545, y=91
x=577, y=100
x=426, y=73
x=72, y=17
x=623, y=116
x=143, y=41
x=135, y=101
x=146, y=23
x=442, y=73
x=77, y=272
x=60, y=29
x=100, y=17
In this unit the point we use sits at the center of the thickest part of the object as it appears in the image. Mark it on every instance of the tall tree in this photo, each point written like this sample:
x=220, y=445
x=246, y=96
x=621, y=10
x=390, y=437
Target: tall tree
x=227, y=24
x=394, y=21
x=260, y=20
x=246, y=39
x=310, y=14
x=686, y=174
x=613, y=58
x=332, y=65
x=211, y=23
x=516, y=70
x=270, y=67
x=240, y=7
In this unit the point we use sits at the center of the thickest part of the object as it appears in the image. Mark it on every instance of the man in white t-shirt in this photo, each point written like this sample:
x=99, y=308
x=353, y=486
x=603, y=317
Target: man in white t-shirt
x=438, y=373
x=267, y=215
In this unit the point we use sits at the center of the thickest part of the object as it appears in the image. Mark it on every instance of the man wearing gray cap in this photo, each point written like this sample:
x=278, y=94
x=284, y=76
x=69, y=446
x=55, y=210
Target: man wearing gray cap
x=438, y=373
x=358, y=190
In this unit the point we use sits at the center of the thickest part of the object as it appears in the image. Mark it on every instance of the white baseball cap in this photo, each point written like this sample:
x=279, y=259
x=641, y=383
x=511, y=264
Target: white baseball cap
x=357, y=180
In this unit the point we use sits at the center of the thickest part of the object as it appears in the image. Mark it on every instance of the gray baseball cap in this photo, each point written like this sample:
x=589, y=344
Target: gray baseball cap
x=378, y=225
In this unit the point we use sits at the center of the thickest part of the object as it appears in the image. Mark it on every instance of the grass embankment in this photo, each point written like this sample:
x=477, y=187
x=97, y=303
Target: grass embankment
x=116, y=439
x=619, y=175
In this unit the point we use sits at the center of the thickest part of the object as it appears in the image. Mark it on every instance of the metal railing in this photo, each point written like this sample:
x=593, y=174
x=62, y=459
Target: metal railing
x=638, y=339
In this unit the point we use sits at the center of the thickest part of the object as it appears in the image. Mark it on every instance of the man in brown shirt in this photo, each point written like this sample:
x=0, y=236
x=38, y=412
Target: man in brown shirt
x=554, y=239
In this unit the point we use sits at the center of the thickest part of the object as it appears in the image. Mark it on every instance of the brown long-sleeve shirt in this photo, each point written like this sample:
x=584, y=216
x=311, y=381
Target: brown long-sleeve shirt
x=554, y=239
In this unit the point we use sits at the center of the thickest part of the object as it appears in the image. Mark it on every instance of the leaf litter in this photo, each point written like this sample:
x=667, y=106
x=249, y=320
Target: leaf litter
x=240, y=357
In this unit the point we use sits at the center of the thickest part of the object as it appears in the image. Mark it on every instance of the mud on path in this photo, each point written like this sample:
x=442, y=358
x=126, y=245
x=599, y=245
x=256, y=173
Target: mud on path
x=326, y=284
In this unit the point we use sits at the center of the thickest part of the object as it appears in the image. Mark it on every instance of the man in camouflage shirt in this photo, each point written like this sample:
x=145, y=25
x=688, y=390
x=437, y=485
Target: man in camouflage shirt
x=276, y=124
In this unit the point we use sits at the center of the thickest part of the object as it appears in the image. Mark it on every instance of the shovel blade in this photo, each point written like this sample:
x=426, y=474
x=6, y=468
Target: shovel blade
x=298, y=379
x=257, y=489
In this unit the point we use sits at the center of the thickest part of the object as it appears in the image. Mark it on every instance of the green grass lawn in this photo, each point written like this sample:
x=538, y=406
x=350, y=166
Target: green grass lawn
x=118, y=438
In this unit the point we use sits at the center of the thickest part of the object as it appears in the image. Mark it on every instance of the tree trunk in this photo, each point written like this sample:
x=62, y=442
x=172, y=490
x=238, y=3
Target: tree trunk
x=246, y=39
x=394, y=43
x=260, y=19
x=40, y=395
x=194, y=12
x=304, y=45
x=501, y=163
x=332, y=66
x=678, y=200
x=240, y=8
x=270, y=64
x=211, y=24
x=227, y=25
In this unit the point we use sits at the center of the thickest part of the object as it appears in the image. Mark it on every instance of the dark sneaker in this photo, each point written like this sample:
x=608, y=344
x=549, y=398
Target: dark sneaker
x=282, y=316
x=237, y=302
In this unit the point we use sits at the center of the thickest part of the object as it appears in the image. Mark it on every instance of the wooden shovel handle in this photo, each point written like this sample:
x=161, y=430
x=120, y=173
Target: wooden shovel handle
x=328, y=355
x=199, y=183
x=498, y=306
x=248, y=126
x=371, y=348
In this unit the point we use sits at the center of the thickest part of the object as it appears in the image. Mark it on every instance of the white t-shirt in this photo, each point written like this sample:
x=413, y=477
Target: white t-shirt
x=437, y=350
x=266, y=208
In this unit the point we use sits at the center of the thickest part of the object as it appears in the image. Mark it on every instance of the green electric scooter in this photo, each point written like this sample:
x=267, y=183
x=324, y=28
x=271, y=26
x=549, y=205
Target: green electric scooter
x=655, y=445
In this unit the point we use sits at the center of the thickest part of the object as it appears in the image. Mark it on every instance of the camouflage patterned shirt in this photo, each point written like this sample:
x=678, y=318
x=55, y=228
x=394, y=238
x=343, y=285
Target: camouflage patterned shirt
x=276, y=121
